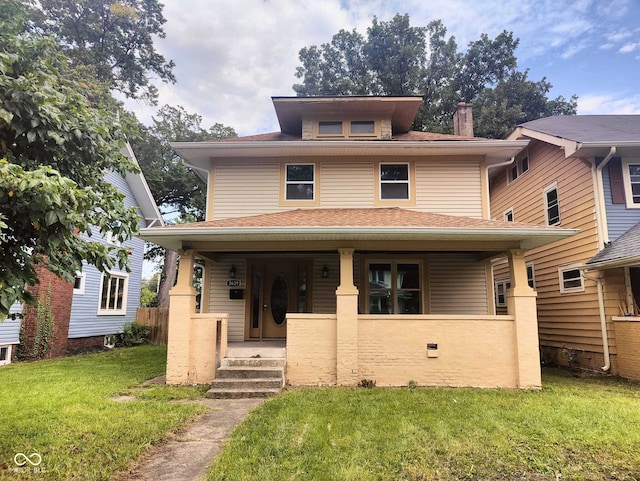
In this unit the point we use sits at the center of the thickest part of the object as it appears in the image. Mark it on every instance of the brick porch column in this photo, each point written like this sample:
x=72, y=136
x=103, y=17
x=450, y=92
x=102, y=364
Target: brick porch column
x=521, y=303
x=347, y=323
x=182, y=305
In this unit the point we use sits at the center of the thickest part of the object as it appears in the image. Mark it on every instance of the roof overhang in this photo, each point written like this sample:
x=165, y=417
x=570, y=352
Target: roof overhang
x=291, y=110
x=317, y=238
x=140, y=189
x=613, y=263
x=200, y=154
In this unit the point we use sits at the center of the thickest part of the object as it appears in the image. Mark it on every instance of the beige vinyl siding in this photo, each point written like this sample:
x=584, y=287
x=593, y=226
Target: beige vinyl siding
x=246, y=188
x=219, y=294
x=324, y=289
x=347, y=184
x=449, y=186
x=252, y=187
x=457, y=284
x=565, y=320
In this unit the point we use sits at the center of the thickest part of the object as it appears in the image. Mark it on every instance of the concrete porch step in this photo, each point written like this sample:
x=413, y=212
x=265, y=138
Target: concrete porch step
x=248, y=377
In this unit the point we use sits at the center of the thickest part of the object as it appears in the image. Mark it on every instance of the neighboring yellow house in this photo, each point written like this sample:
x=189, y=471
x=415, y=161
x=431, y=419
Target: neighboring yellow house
x=366, y=245
x=580, y=172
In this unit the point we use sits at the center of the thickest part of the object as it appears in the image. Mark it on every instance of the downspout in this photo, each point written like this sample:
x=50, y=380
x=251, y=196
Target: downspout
x=494, y=166
x=600, y=202
x=603, y=322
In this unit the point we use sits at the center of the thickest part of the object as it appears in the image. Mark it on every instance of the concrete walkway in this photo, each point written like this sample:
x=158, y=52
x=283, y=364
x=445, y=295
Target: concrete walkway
x=187, y=456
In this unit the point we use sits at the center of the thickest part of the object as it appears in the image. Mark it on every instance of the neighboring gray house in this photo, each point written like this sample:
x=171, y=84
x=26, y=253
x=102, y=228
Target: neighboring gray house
x=100, y=305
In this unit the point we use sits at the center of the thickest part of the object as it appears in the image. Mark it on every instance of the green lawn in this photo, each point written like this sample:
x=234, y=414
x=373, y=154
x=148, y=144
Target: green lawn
x=575, y=429
x=62, y=410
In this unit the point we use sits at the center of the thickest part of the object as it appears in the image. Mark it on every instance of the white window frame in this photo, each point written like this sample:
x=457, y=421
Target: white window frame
x=506, y=214
x=626, y=175
x=517, y=167
x=111, y=239
x=506, y=284
x=109, y=276
x=381, y=182
x=570, y=267
x=82, y=276
x=531, y=280
x=548, y=189
x=297, y=182
x=4, y=362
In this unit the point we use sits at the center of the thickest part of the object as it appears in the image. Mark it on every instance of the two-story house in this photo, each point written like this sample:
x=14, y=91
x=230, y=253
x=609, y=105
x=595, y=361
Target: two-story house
x=96, y=306
x=364, y=244
x=580, y=172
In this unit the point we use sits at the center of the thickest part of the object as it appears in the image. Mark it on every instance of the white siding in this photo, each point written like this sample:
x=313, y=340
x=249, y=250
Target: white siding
x=347, y=185
x=457, y=284
x=10, y=329
x=451, y=187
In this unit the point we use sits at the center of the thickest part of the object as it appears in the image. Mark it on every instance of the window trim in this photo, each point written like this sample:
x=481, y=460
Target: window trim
x=394, y=288
x=626, y=176
x=8, y=347
x=506, y=283
x=506, y=213
x=517, y=166
x=411, y=182
x=346, y=129
x=299, y=202
x=570, y=267
x=531, y=280
x=125, y=291
x=83, y=280
x=545, y=191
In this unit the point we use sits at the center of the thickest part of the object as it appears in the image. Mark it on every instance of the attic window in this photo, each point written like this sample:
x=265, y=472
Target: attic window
x=362, y=127
x=330, y=128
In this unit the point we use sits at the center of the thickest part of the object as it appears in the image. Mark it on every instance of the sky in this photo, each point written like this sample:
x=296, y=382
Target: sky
x=232, y=56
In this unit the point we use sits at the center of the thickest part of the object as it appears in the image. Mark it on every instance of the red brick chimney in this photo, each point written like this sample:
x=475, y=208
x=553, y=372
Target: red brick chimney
x=463, y=120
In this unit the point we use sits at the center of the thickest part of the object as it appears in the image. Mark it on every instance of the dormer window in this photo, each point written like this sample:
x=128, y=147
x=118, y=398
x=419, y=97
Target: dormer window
x=347, y=129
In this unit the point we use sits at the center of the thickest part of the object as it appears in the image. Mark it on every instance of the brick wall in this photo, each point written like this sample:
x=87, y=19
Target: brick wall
x=80, y=344
x=627, y=331
x=311, y=349
x=61, y=296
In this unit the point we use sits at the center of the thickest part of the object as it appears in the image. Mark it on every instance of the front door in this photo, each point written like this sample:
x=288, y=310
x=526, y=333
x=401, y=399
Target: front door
x=277, y=287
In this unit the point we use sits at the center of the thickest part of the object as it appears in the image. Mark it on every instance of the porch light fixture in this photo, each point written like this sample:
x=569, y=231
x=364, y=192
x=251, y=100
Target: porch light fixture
x=325, y=271
x=232, y=272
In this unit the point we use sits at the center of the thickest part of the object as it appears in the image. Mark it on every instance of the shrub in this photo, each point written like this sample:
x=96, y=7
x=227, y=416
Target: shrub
x=134, y=334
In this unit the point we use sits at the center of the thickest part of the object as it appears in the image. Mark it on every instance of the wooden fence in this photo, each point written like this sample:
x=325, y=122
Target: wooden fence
x=157, y=318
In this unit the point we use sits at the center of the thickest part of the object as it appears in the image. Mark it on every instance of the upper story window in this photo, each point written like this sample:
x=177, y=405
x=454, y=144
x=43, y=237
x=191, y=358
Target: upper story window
x=552, y=205
x=347, y=128
x=394, y=182
x=300, y=182
x=519, y=167
x=631, y=175
x=508, y=214
x=79, y=283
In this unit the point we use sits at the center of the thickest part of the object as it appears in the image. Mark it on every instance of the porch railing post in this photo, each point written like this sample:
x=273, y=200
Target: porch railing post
x=346, y=323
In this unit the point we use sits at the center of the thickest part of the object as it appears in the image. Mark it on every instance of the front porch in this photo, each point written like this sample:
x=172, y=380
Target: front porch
x=345, y=346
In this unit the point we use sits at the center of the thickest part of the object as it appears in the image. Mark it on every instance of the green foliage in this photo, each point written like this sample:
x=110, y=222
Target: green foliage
x=134, y=334
x=148, y=298
x=44, y=326
x=55, y=146
x=367, y=383
x=111, y=41
x=396, y=58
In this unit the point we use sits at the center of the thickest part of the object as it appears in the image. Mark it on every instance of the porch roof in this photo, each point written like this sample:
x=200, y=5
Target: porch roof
x=329, y=226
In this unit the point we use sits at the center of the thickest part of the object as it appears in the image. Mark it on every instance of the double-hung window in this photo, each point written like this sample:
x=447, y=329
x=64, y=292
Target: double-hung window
x=519, y=167
x=113, y=294
x=631, y=175
x=552, y=205
x=501, y=292
x=300, y=182
x=394, y=287
x=394, y=182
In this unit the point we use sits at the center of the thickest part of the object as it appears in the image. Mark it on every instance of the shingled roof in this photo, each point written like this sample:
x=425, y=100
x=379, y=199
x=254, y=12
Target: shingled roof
x=625, y=250
x=589, y=128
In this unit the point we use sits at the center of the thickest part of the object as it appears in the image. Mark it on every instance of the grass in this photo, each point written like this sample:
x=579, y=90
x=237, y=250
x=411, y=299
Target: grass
x=575, y=429
x=63, y=410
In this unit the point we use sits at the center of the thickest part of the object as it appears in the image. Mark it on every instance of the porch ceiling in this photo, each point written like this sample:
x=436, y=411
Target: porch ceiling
x=329, y=229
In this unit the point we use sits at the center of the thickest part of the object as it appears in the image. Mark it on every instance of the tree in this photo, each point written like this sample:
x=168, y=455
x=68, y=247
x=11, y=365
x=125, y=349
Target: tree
x=176, y=188
x=55, y=146
x=398, y=59
x=112, y=41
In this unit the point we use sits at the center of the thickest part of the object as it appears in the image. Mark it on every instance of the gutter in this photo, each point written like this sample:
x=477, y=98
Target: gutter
x=603, y=230
x=603, y=321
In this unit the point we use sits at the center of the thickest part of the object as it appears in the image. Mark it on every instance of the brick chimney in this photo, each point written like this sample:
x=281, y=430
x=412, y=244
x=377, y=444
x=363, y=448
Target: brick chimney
x=463, y=120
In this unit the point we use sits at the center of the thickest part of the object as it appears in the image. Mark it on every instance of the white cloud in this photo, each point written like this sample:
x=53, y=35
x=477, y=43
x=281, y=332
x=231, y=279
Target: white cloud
x=629, y=47
x=608, y=103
